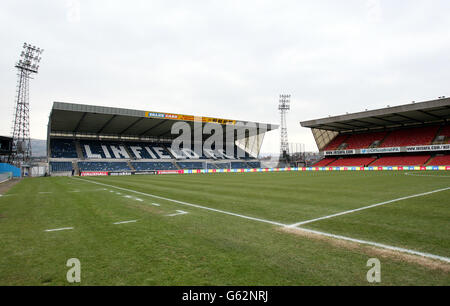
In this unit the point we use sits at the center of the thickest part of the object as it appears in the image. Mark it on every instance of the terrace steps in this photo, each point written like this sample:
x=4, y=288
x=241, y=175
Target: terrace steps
x=79, y=151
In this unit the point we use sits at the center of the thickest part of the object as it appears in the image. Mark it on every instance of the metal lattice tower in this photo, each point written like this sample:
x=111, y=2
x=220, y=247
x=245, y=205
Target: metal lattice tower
x=27, y=66
x=283, y=107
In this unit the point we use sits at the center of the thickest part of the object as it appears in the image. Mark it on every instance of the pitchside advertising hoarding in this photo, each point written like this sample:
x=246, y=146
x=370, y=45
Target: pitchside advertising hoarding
x=92, y=173
x=305, y=169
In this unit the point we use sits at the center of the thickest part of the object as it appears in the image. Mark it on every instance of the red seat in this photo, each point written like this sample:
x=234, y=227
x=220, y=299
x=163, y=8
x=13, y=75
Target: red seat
x=352, y=162
x=324, y=162
x=440, y=161
x=336, y=142
x=411, y=137
x=361, y=141
x=445, y=131
x=414, y=160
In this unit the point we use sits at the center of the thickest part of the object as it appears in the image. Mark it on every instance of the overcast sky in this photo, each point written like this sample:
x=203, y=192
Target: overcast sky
x=227, y=58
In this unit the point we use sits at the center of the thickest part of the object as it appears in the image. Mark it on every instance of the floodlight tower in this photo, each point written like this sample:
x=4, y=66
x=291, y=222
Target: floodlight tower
x=283, y=107
x=26, y=66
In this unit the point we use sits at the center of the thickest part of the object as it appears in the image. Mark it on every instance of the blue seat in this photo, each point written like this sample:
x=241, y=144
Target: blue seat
x=103, y=166
x=60, y=166
x=254, y=164
x=143, y=166
x=63, y=148
x=191, y=165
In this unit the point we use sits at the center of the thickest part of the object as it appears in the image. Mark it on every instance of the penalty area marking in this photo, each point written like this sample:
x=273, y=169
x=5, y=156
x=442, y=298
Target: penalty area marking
x=408, y=251
x=367, y=207
x=59, y=229
x=123, y=222
x=156, y=204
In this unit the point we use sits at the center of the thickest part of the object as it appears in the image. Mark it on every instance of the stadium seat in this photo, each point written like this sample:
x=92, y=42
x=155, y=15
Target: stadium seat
x=103, y=166
x=364, y=140
x=95, y=149
x=411, y=160
x=445, y=131
x=352, y=162
x=60, y=166
x=63, y=148
x=191, y=165
x=239, y=165
x=254, y=164
x=144, y=166
x=103, y=149
x=441, y=160
x=218, y=165
x=142, y=150
x=410, y=137
x=336, y=142
x=324, y=162
x=145, y=156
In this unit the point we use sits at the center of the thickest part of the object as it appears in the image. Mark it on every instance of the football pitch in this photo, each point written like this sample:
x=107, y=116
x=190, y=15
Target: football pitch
x=280, y=228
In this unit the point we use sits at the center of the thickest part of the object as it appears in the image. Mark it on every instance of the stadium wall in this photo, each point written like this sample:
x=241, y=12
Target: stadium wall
x=254, y=170
x=7, y=168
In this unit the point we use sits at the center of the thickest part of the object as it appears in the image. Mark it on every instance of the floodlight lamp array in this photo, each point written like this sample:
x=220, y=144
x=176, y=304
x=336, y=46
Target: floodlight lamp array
x=30, y=58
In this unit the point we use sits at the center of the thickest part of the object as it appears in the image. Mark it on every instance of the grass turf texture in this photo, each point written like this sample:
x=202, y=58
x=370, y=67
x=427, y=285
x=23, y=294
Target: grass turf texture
x=209, y=248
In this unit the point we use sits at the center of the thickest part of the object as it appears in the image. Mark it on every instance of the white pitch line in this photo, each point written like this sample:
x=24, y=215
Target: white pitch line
x=45, y=192
x=179, y=212
x=186, y=203
x=431, y=175
x=123, y=222
x=59, y=229
x=367, y=207
x=432, y=256
x=380, y=245
x=156, y=204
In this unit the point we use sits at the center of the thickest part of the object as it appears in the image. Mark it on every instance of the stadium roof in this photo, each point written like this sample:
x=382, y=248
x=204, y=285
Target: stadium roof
x=404, y=115
x=100, y=120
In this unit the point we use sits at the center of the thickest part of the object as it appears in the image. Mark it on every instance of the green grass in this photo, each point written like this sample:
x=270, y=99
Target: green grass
x=209, y=248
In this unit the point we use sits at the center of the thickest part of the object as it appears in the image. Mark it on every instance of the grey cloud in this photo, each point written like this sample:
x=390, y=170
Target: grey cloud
x=228, y=58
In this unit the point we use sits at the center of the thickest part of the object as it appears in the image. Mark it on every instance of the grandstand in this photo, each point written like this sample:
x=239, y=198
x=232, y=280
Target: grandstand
x=94, y=140
x=416, y=134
